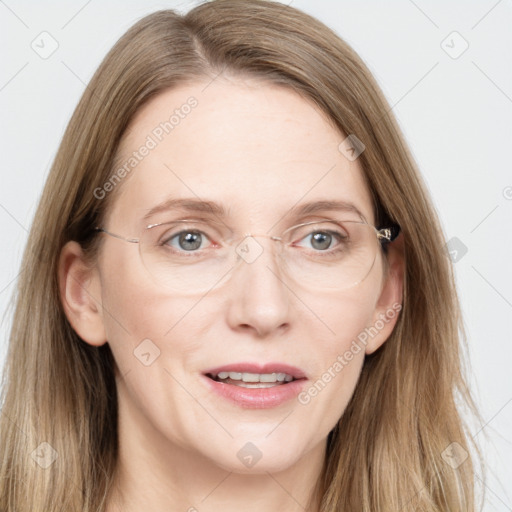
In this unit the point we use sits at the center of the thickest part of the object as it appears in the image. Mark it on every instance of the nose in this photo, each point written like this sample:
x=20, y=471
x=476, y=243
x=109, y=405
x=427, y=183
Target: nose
x=259, y=299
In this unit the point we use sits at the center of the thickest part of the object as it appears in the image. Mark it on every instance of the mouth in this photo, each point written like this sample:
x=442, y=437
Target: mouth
x=255, y=376
x=256, y=386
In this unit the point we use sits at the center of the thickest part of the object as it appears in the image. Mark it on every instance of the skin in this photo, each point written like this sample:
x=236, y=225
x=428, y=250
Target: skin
x=260, y=149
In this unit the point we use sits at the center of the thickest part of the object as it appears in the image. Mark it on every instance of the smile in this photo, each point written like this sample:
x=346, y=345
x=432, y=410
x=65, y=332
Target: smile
x=256, y=386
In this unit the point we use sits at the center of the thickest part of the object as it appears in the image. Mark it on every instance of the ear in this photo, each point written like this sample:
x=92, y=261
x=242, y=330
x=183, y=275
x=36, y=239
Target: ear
x=80, y=292
x=389, y=303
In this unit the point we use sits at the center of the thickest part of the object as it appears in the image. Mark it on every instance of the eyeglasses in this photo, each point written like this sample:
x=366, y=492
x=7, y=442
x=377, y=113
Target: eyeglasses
x=194, y=256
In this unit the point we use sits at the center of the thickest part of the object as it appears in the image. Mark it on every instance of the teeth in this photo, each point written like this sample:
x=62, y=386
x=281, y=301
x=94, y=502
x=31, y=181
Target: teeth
x=256, y=377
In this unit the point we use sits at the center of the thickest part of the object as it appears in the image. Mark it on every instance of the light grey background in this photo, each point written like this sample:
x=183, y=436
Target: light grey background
x=455, y=109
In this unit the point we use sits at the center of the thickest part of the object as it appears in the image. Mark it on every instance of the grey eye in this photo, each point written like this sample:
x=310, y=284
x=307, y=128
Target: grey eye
x=187, y=240
x=321, y=240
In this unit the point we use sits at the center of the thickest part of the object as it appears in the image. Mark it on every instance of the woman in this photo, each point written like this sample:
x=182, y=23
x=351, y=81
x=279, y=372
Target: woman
x=234, y=294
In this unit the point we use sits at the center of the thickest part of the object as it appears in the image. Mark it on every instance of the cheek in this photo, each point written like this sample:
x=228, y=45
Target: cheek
x=339, y=356
x=350, y=312
x=152, y=340
x=132, y=318
x=135, y=309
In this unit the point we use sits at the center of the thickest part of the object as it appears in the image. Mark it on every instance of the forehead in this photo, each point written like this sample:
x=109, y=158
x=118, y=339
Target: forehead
x=259, y=150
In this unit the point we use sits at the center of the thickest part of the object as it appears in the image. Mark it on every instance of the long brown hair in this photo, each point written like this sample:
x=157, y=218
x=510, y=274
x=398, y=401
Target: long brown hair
x=58, y=427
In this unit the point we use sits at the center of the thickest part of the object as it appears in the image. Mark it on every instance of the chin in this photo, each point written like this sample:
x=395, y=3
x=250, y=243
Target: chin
x=251, y=459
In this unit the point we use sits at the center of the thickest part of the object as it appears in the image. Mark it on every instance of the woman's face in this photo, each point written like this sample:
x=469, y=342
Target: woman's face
x=258, y=150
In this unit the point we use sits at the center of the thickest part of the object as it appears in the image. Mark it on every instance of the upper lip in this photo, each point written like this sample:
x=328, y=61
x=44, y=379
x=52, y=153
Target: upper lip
x=295, y=372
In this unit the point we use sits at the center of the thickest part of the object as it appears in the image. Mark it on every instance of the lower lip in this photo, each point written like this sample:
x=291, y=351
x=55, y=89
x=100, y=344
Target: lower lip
x=256, y=398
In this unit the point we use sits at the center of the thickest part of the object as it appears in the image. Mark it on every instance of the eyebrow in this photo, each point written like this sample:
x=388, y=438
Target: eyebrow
x=211, y=207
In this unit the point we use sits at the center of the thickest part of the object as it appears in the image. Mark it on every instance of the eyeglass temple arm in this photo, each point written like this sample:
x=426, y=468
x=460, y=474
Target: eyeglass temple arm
x=131, y=240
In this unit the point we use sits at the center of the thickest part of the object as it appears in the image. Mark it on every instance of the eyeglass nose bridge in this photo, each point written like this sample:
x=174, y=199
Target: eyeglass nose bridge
x=250, y=250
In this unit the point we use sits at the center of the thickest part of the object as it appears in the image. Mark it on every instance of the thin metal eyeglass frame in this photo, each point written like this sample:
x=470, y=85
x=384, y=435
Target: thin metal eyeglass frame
x=384, y=235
